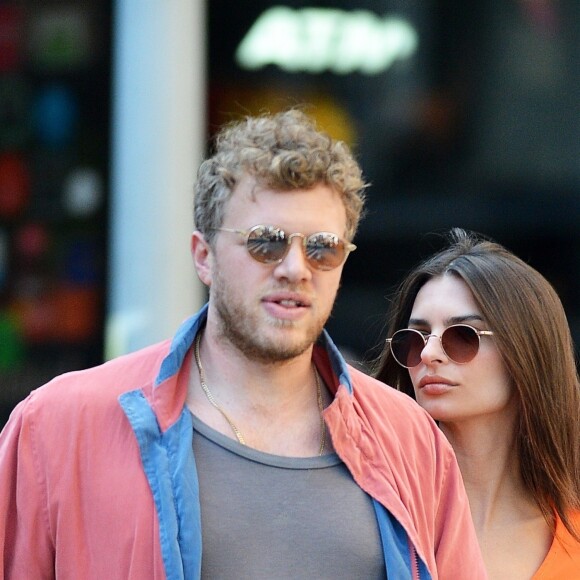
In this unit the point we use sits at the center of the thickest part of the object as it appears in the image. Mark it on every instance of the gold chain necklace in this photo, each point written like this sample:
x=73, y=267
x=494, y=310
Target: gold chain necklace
x=236, y=431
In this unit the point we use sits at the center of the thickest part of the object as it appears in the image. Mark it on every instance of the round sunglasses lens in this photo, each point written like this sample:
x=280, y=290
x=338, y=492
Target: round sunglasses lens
x=460, y=343
x=267, y=244
x=406, y=346
x=324, y=251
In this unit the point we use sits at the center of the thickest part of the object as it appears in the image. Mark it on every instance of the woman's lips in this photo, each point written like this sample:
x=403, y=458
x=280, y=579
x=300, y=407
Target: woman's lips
x=435, y=385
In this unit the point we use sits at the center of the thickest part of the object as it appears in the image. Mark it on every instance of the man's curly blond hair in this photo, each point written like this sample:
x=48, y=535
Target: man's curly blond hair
x=282, y=151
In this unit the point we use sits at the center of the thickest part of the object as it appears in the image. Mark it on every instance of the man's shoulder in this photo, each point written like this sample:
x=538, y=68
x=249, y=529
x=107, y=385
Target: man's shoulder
x=94, y=390
x=388, y=429
x=368, y=388
x=394, y=415
x=121, y=373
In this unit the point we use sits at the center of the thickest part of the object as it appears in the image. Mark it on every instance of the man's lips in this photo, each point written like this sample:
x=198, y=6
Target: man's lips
x=291, y=306
x=288, y=300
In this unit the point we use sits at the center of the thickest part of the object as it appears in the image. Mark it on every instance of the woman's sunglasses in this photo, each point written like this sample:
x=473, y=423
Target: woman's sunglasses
x=270, y=244
x=460, y=343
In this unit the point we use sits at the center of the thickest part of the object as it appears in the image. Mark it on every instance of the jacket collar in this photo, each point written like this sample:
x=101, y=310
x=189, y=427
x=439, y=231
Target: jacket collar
x=168, y=393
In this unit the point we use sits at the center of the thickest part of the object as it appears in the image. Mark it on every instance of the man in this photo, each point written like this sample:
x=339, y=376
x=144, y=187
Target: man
x=246, y=447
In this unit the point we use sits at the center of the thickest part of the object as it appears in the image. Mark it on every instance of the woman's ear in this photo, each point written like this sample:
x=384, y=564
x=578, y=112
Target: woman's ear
x=202, y=257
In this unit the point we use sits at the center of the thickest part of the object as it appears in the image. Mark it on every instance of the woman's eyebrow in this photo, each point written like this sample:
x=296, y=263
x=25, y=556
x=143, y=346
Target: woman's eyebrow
x=464, y=318
x=418, y=322
x=448, y=321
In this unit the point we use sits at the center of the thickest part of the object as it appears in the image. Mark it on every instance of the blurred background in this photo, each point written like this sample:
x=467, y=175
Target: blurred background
x=461, y=114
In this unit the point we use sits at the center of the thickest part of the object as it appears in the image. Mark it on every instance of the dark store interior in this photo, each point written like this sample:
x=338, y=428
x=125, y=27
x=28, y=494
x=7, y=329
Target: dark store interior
x=460, y=114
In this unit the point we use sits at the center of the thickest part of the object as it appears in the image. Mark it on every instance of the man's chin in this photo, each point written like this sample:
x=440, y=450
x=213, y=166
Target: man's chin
x=278, y=349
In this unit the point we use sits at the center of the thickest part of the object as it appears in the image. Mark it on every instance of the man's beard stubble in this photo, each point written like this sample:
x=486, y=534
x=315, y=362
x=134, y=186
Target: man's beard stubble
x=242, y=329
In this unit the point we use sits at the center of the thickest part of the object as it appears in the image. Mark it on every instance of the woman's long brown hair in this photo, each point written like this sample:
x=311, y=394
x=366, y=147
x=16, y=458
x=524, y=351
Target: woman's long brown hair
x=533, y=336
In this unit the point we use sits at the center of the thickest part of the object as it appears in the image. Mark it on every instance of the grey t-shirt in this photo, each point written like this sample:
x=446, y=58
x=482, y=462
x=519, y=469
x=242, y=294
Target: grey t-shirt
x=270, y=517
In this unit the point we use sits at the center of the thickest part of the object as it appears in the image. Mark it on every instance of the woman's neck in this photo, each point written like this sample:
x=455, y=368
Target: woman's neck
x=486, y=451
x=512, y=533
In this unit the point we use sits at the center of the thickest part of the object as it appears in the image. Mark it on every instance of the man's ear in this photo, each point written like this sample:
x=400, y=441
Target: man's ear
x=202, y=257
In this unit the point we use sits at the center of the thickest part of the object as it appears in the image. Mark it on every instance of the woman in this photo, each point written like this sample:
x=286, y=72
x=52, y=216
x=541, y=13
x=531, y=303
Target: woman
x=480, y=340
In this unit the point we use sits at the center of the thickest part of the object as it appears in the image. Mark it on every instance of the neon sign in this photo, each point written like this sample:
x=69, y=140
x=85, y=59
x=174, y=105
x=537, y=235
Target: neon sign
x=315, y=40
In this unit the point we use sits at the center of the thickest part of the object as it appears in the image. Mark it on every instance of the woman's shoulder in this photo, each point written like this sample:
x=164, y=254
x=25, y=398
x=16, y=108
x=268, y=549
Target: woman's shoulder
x=563, y=559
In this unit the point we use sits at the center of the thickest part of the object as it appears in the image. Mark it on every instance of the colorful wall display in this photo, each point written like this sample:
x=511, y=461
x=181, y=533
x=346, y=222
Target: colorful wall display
x=54, y=156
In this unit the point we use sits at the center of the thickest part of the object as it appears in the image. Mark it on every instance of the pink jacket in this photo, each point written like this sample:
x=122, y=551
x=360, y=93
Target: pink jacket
x=98, y=480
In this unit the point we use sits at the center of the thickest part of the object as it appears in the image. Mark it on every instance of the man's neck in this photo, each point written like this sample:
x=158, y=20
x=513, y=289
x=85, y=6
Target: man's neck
x=274, y=406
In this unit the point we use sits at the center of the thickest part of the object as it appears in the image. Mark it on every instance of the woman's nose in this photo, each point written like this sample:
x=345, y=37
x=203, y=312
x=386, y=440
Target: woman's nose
x=433, y=350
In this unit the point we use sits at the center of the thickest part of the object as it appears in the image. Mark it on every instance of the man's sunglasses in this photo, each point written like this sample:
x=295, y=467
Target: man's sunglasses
x=460, y=343
x=270, y=244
